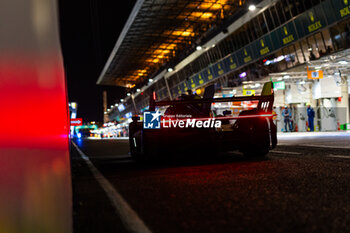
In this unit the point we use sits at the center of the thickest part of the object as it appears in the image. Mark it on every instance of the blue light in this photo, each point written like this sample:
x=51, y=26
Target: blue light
x=79, y=135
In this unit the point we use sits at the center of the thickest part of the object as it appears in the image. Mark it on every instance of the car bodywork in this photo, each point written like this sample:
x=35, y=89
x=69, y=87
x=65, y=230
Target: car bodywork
x=252, y=132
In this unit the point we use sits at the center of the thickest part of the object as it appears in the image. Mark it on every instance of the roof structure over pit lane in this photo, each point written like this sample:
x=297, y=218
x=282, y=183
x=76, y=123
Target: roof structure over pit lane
x=156, y=32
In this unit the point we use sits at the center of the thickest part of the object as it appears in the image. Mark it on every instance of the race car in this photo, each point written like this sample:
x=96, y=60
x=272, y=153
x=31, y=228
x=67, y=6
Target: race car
x=189, y=125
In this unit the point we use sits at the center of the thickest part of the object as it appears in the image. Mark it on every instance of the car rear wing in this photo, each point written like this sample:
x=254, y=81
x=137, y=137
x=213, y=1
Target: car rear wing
x=265, y=104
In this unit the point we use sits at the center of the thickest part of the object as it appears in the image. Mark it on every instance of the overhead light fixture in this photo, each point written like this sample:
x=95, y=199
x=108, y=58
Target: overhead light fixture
x=242, y=75
x=128, y=94
x=170, y=69
x=198, y=48
x=252, y=7
x=138, y=90
x=286, y=76
x=116, y=105
x=280, y=58
x=122, y=100
x=343, y=62
x=150, y=80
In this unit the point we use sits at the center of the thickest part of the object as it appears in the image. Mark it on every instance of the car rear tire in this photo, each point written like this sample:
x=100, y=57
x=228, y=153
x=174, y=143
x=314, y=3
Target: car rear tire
x=255, y=137
x=150, y=145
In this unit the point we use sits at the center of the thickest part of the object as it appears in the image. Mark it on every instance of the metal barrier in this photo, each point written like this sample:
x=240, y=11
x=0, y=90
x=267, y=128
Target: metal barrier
x=35, y=180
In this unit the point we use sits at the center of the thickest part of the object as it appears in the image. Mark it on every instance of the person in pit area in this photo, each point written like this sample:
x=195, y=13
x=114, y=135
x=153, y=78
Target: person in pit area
x=310, y=117
x=287, y=114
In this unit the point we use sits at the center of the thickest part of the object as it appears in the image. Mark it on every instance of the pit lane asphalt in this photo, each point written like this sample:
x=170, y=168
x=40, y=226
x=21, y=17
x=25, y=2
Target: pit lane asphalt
x=297, y=188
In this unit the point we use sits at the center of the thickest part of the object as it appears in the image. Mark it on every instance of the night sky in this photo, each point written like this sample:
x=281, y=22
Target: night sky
x=89, y=30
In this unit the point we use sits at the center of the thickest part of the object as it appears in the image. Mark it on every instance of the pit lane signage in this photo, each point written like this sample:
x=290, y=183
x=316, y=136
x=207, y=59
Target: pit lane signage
x=287, y=34
x=279, y=85
x=315, y=24
x=310, y=21
x=76, y=122
x=263, y=46
x=248, y=92
x=344, y=8
x=245, y=55
x=314, y=74
x=231, y=63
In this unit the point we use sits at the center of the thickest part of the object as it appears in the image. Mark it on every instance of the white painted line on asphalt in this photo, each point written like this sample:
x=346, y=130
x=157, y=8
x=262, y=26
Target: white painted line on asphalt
x=285, y=152
x=315, y=145
x=326, y=146
x=313, y=134
x=132, y=222
x=339, y=156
